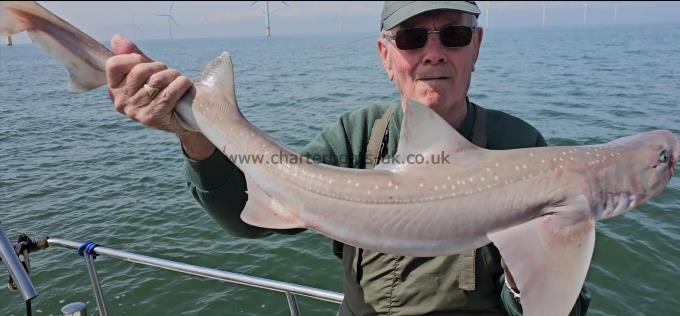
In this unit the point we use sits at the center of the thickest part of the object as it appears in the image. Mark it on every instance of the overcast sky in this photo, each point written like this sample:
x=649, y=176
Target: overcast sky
x=227, y=19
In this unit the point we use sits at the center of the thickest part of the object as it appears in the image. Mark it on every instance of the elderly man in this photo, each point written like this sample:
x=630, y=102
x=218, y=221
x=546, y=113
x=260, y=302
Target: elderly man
x=429, y=49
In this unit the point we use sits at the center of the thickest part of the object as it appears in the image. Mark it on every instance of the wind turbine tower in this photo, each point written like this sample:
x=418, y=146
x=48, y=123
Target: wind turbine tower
x=8, y=40
x=585, y=13
x=543, y=17
x=171, y=19
x=616, y=13
x=134, y=26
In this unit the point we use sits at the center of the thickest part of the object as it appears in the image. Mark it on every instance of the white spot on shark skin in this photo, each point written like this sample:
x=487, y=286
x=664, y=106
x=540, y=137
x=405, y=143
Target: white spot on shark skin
x=376, y=188
x=448, y=178
x=497, y=164
x=436, y=188
x=524, y=166
x=330, y=181
x=368, y=192
x=396, y=187
x=472, y=180
x=495, y=178
x=443, y=186
x=421, y=184
x=482, y=179
x=542, y=160
x=389, y=184
x=356, y=184
x=517, y=168
x=453, y=187
x=349, y=181
x=571, y=158
x=531, y=154
x=488, y=169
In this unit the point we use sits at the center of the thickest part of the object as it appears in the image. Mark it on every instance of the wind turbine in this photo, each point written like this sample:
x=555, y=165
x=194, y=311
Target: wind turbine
x=585, y=13
x=170, y=18
x=133, y=26
x=616, y=13
x=267, y=28
x=543, y=17
x=486, y=14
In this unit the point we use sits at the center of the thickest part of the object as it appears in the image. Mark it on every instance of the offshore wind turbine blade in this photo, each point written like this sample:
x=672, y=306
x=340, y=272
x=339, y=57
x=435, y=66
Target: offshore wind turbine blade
x=172, y=4
x=173, y=20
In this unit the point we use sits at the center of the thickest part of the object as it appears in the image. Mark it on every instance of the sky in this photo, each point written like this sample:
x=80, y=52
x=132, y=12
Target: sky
x=200, y=19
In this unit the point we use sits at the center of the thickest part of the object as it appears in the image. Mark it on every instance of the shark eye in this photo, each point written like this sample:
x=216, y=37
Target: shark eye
x=663, y=157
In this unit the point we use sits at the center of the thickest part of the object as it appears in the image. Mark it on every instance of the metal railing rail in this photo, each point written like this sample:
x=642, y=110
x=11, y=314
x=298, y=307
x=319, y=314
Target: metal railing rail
x=290, y=289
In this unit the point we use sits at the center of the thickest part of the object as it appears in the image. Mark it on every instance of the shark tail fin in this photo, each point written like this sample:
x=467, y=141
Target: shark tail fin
x=549, y=257
x=83, y=57
x=265, y=211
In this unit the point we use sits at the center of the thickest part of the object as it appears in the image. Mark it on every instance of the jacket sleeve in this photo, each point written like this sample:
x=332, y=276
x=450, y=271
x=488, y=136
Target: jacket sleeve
x=220, y=187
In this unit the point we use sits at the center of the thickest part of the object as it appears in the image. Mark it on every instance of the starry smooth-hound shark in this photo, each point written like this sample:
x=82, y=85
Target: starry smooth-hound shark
x=537, y=205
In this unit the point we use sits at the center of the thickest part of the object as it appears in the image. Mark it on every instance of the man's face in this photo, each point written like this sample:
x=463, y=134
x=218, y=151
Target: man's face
x=435, y=75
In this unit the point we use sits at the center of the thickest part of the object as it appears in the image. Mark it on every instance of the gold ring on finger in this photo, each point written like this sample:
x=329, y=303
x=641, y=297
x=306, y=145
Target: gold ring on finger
x=150, y=91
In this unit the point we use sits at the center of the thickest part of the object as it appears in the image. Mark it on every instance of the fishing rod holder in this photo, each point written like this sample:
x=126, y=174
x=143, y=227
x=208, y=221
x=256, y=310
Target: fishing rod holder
x=16, y=268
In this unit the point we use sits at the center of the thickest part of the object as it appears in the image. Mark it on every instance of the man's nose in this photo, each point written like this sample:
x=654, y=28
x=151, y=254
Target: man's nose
x=434, y=50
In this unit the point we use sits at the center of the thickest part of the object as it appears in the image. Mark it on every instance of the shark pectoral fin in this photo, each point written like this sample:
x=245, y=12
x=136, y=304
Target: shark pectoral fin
x=548, y=261
x=424, y=134
x=264, y=211
x=83, y=57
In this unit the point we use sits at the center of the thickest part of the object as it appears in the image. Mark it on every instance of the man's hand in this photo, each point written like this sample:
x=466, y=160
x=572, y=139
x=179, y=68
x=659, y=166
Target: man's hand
x=128, y=71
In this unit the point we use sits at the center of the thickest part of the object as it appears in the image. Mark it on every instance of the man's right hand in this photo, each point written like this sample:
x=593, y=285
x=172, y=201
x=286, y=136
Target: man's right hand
x=128, y=71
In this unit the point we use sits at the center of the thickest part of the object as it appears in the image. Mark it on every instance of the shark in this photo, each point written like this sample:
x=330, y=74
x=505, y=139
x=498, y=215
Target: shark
x=539, y=206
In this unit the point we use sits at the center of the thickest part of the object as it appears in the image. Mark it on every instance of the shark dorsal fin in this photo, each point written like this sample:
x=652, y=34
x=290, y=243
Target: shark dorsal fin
x=425, y=134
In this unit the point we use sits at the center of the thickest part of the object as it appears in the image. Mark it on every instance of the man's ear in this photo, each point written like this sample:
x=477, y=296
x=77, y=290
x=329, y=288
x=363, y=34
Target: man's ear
x=384, y=57
x=477, y=42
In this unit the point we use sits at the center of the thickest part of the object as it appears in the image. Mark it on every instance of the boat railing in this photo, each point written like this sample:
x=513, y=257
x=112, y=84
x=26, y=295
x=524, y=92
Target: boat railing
x=291, y=290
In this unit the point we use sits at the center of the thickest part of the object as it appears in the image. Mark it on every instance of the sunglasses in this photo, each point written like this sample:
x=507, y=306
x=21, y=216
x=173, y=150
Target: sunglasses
x=416, y=37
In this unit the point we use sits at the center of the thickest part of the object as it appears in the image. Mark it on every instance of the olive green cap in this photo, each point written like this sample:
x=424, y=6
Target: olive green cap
x=395, y=12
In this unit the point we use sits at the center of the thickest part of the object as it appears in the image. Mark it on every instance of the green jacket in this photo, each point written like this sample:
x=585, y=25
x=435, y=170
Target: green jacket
x=377, y=283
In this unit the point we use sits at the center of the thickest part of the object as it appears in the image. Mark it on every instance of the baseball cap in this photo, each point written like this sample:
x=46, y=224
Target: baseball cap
x=395, y=12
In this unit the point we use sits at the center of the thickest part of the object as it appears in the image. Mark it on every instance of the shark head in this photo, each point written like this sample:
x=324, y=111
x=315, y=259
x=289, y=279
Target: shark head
x=658, y=154
x=648, y=163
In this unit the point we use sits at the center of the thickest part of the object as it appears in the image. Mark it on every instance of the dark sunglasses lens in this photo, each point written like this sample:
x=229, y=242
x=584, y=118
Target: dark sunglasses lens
x=413, y=38
x=455, y=36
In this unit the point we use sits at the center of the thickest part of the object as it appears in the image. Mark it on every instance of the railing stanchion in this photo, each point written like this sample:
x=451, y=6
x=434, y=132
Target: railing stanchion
x=96, y=286
x=293, y=304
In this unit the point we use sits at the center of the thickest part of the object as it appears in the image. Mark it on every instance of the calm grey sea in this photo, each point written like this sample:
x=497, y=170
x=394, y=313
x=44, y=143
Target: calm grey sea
x=74, y=168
